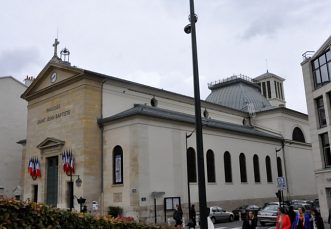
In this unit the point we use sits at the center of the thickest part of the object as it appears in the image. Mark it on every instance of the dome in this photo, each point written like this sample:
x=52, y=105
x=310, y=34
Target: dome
x=239, y=93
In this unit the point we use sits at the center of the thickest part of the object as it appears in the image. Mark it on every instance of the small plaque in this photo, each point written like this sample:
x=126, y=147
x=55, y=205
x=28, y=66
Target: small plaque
x=117, y=197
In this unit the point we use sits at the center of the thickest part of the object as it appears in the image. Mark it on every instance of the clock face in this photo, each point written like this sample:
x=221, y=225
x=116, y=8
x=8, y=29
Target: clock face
x=53, y=77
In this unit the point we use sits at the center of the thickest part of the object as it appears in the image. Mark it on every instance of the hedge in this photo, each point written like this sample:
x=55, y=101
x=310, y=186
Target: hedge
x=29, y=215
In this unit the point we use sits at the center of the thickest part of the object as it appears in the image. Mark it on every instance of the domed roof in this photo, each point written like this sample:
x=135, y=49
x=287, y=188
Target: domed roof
x=239, y=93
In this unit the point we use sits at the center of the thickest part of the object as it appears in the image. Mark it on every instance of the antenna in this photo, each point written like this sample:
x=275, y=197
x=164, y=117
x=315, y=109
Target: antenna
x=266, y=64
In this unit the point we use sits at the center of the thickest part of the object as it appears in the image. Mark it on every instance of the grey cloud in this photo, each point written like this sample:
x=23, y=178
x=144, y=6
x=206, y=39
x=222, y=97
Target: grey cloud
x=266, y=27
x=16, y=61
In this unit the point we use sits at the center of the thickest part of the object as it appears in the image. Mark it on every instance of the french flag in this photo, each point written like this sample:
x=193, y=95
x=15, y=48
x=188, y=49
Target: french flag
x=65, y=161
x=72, y=163
x=30, y=166
x=38, y=172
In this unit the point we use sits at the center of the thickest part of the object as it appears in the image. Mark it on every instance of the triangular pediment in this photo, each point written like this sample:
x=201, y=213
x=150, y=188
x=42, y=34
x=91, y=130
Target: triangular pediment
x=54, y=75
x=50, y=142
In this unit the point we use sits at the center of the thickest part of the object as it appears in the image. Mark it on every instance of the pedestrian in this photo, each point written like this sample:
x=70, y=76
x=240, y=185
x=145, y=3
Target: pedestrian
x=282, y=220
x=302, y=220
x=250, y=222
x=192, y=215
x=178, y=216
x=292, y=214
x=84, y=210
x=317, y=221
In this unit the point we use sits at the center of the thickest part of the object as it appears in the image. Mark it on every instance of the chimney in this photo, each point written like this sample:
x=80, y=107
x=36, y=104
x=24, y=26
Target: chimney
x=28, y=80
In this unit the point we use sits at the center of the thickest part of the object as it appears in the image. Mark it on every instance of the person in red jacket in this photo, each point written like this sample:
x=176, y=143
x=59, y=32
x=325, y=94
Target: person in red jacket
x=283, y=220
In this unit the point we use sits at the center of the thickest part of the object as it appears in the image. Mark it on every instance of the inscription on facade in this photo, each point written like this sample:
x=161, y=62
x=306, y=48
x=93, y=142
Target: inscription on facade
x=117, y=197
x=54, y=116
x=53, y=108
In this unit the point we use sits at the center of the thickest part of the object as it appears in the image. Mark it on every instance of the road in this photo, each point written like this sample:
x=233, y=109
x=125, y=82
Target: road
x=238, y=225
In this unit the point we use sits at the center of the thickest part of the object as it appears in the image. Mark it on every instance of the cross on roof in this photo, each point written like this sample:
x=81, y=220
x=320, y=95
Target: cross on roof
x=56, y=43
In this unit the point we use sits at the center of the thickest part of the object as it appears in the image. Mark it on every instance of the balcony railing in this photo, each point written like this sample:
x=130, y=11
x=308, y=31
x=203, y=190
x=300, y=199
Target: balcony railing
x=306, y=55
x=240, y=76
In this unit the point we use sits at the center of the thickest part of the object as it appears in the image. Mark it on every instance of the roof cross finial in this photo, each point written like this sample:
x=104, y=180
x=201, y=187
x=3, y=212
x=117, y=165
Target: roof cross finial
x=56, y=43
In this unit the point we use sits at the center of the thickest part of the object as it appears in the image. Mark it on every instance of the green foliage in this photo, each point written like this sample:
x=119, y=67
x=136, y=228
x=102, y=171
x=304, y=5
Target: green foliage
x=115, y=211
x=17, y=214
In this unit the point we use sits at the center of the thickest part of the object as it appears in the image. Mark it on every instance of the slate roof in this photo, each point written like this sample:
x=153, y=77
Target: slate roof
x=237, y=94
x=156, y=112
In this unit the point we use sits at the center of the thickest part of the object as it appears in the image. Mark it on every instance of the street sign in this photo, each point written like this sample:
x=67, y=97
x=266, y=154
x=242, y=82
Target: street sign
x=281, y=183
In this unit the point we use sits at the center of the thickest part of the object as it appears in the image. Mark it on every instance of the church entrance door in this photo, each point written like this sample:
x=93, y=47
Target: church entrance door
x=52, y=181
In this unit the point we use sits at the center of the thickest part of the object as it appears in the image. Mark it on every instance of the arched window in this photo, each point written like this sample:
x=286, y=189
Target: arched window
x=118, y=165
x=191, y=163
x=243, y=173
x=279, y=167
x=227, y=167
x=211, y=166
x=268, y=168
x=297, y=135
x=256, y=165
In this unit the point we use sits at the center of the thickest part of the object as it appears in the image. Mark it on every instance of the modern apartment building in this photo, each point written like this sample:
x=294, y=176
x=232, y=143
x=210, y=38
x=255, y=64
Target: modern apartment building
x=316, y=70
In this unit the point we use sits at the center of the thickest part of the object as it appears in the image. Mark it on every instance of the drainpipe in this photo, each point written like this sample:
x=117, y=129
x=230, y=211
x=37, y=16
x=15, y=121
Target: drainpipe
x=284, y=158
x=101, y=142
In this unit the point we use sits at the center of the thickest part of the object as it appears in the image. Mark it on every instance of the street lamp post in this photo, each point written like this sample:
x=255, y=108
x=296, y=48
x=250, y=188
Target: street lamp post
x=198, y=123
x=71, y=189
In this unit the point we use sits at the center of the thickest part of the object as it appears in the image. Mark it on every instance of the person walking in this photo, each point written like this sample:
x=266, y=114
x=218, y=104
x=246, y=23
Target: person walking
x=317, y=221
x=282, y=220
x=178, y=216
x=250, y=222
x=302, y=220
x=192, y=215
x=292, y=214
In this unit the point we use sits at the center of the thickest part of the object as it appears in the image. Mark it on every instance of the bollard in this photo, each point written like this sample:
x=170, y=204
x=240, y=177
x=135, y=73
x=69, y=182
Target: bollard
x=239, y=216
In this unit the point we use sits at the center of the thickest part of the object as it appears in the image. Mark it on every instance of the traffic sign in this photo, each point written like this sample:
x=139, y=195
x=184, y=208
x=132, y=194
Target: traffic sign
x=281, y=183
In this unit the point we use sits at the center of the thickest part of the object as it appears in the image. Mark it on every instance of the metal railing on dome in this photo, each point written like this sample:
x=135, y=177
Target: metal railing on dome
x=240, y=76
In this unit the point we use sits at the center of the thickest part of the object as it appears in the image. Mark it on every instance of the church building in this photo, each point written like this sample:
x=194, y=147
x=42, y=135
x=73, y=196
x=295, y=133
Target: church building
x=131, y=145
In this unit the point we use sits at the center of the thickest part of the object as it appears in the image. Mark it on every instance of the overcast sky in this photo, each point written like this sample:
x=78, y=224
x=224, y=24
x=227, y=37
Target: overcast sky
x=144, y=41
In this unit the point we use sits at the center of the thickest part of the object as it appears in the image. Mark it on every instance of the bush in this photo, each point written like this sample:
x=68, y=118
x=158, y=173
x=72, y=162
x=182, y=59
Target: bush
x=115, y=211
x=18, y=214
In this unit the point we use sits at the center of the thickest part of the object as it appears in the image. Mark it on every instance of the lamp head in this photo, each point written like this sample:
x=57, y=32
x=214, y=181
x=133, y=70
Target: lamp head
x=79, y=182
x=188, y=29
x=195, y=18
x=81, y=200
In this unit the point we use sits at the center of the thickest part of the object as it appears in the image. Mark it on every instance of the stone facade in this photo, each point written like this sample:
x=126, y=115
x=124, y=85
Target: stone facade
x=64, y=117
x=95, y=115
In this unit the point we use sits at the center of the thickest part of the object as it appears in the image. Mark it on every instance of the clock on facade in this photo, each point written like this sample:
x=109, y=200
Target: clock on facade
x=53, y=77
